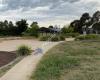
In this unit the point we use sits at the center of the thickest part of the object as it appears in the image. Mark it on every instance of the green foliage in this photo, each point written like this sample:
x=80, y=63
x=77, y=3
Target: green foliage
x=87, y=21
x=23, y=50
x=88, y=37
x=21, y=26
x=67, y=30
x=44, y=37
x=33, y=30
x=55, y=38
x=96, y=27
x=9, y=29
x=62, y=38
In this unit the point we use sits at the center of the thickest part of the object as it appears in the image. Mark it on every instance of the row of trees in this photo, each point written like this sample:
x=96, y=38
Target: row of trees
x=20, y=27
x=87, y=23
x=8, y=28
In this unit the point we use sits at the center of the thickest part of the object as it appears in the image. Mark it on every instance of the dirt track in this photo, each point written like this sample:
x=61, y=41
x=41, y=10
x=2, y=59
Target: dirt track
x=23, y=70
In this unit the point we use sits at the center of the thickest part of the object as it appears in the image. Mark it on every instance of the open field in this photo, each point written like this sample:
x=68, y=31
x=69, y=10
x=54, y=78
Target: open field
x=78, y=60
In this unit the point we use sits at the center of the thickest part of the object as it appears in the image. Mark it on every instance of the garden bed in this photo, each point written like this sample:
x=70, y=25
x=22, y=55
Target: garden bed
x=6, y=57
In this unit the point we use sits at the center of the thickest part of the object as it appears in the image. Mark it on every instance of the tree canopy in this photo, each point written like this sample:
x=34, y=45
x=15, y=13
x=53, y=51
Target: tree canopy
x=8, y=28
x=86, y=22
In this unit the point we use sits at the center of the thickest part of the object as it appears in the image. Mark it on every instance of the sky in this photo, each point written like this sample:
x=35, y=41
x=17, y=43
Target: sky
x=47, y=12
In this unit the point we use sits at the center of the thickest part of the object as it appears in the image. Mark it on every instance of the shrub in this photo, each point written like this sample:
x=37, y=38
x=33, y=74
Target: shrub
x=55, y=38
x=88, y=37
x=62, y=38
x=24, y=50
x=67, y=29
x=44, y=38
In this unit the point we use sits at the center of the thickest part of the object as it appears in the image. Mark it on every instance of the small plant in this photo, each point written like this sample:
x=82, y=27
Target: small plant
x=23, y=50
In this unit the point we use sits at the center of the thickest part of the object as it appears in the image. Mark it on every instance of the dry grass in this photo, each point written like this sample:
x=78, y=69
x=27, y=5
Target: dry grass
x=79, y=60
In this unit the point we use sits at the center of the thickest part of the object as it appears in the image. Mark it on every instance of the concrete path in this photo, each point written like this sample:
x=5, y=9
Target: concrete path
x=24, y=69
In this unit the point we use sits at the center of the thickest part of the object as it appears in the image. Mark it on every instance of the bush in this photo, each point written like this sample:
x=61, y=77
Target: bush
x=24, y=50
x=55, y=38
x=88, y=37
x=44, y=38
x=67, y=29
x=62, y=38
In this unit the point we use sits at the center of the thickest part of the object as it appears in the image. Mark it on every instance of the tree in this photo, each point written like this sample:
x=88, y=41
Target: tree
x=50, y=26
x=21, y=26
x=34, y=29
x=6, y=24
x=76, y=26
x=11, y=29
x=1, y=27
x=11, y=24
x=85, y=21
x=65, y=30
x=96, y=28
x=96, y=17
x=8, y=28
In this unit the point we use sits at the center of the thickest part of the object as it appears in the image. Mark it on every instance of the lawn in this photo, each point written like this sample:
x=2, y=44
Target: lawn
x=78, y=60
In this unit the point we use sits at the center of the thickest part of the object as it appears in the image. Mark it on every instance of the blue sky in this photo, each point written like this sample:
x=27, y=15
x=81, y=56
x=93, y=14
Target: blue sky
x=47, y=12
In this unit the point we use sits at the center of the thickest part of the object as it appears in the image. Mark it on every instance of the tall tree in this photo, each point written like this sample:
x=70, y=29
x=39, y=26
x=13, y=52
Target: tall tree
x=21, y=26
x=5, y=24
x=11, y=29
x=34, y=29
x=96, y=17
x=76, y=26
x=85, y=21
x=96, y=28
x=50, y=26
x=11, y=24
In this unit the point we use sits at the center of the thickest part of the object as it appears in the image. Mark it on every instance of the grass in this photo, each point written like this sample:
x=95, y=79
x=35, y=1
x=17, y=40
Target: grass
x=79, y=60
x=88, y=37
x=24, y=50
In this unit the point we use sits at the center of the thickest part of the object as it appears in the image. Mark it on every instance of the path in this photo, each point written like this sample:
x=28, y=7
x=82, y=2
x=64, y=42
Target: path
x=23, y=70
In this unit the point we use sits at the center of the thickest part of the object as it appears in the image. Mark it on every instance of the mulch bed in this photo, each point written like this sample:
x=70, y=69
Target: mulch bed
x=6, y=57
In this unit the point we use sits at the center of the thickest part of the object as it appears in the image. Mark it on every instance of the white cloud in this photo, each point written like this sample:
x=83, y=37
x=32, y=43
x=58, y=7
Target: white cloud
x=47, y=11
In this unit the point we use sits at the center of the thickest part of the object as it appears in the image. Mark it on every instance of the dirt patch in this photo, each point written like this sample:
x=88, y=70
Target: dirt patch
x=6, y=57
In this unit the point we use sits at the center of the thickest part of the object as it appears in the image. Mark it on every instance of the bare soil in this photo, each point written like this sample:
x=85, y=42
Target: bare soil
x=6, y=57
